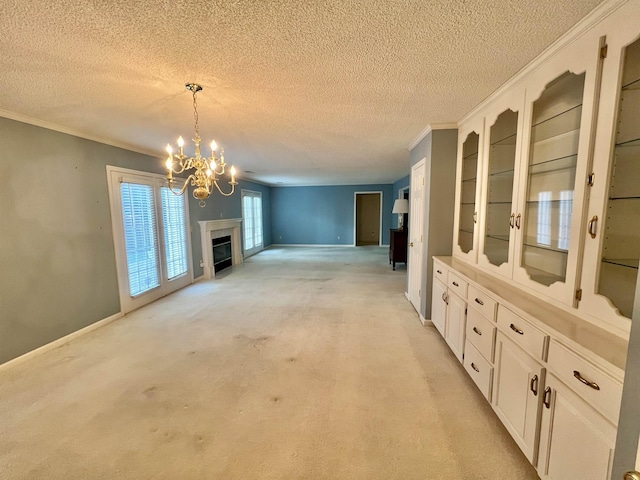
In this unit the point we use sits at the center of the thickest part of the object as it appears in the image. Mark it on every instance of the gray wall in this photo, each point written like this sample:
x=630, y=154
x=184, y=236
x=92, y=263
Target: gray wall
x=439, y=148
x=57, y=259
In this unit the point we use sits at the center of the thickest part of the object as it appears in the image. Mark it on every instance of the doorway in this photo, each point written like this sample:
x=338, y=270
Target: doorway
x=368, y=218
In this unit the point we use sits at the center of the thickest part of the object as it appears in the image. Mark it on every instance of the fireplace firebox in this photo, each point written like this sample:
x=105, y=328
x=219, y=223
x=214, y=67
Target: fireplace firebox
x=221, y=253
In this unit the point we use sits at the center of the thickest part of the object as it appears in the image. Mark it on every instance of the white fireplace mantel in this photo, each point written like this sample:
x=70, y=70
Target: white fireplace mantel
x=211, y=229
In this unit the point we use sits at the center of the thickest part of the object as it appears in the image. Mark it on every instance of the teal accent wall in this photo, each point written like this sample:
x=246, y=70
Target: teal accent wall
x=319, y=215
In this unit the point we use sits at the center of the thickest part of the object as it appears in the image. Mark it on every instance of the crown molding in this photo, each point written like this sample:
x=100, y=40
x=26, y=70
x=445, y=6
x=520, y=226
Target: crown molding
x=428, y=129
x=596, y=16
x=76, y=133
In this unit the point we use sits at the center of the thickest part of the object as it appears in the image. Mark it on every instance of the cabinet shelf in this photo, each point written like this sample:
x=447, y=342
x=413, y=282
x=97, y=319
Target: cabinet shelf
x=556, y=116
x=629, y=143
x=507, y=202
x=532, y=244
x=553, y=165
x=622, y=262
x=469, y=180
x=467, y=203
x=466, y=231
x=543, y=277
x=633, y=85
x=509, y=140
x=471, y=156
x=502, y=172
x=502, y=238
x=629, y=197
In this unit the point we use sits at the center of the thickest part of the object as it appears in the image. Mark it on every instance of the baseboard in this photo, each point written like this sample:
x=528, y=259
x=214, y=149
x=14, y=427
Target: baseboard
x=59, y=342
x=307, y=245
x=425, y=322
x=201, y=277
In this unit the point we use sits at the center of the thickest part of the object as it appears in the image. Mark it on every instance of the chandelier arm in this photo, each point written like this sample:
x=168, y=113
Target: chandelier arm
x=233, y=188
x=184, y=187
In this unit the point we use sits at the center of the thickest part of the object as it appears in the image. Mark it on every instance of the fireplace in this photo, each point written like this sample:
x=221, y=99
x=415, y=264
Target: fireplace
x=225, y=234
x=221, y=253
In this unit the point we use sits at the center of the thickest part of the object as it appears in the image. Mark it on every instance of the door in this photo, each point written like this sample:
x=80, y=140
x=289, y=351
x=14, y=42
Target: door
x=368, y=218
x=416, y=231
x=151, y=237
x=252, y=222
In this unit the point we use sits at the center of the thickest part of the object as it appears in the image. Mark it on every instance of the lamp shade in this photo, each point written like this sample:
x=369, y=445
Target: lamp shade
x=401, y=205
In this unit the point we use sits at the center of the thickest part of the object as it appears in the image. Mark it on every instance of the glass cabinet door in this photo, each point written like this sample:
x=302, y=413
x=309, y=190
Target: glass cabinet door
x=621, y=249
x=467, y=208
x=499, y=218
x=553, y=155
x=612, y=244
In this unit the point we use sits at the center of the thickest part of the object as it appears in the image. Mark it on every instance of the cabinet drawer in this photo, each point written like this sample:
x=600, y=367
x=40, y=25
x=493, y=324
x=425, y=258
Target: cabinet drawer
x=456, y=284
x=481, y=333
x=440, y=272
x=525, y=335
x=481, y=302
x=479, y=369
x=596, y=387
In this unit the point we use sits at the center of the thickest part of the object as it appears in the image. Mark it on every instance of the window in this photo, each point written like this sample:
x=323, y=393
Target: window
x=151, y=236
x=252, y=221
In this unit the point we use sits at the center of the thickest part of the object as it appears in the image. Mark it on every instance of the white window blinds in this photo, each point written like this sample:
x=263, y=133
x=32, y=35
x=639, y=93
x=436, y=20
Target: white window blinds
x=139, y=222
x=175, y=235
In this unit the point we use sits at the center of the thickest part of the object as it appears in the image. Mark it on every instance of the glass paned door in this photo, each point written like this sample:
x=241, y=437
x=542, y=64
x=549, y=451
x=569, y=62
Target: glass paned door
x=252, y=221
x=151, y=237
x=621, y=247
x=551, y=176
x=499, y=219
x=467, y=207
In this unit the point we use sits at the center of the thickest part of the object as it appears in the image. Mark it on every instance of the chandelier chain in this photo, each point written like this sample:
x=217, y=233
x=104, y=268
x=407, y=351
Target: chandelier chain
x=195, y=112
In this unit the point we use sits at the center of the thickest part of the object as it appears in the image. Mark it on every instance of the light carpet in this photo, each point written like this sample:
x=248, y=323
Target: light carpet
x=303, y=363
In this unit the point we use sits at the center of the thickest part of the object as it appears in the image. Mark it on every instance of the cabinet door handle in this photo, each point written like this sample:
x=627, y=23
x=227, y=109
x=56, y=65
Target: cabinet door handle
x=445, y=298
x=516, y=329
x=475, y=217
x=547, y=397
x=534, y=385
x=518, y=217
x=593, y=225
x=455, y=284
x=473, y=365
x=439, y=271
x=477, y=331
x=411, y=244
x=479, y=302
x=593, y=385
x=512, y=220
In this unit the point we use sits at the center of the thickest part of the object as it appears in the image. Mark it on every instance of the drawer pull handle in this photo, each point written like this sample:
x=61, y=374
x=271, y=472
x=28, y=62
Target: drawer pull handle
x=534, y=385
x=473, y=365
x=547, y=397
x=455, y=284
x=439, y=271
x=479, y=302
x=516, y=329
x=593, y=385
x=477, y=331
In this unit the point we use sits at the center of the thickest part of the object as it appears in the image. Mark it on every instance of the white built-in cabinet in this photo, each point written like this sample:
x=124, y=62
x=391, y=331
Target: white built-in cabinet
x=554, y=203
x=559, y=405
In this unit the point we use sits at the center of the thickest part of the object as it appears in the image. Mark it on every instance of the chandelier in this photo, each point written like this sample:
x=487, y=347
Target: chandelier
x=207, y=169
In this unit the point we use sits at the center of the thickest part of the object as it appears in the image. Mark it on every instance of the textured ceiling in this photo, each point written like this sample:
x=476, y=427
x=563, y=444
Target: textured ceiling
x=299, y=92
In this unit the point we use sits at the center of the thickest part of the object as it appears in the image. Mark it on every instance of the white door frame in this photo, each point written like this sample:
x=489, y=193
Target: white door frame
x=355, y=225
